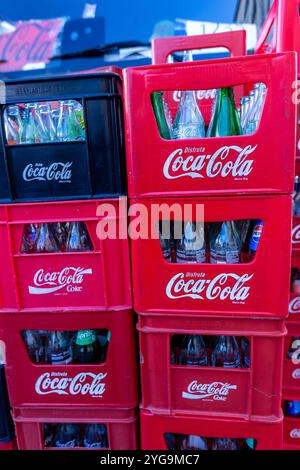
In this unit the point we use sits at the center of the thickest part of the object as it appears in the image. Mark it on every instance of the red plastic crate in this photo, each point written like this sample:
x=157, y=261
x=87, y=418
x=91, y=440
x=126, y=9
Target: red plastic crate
x=94, y=280
x=112, y=383
x=296, y=242
x=247, y=393
x=153, y=428
x=228, y=165
x=218, y=290
x=291, y=372
x=121, y=425
x=294, y=308
x=233, y=41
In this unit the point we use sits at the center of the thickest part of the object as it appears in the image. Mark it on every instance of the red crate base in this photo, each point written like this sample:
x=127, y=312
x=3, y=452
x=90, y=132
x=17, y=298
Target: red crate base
x=247, y=393
x=121, y=425
x=153, y=428
x=32, y=385
x=291, y=372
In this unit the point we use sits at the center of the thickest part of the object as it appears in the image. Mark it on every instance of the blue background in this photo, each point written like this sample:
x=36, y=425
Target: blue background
x=125, y=19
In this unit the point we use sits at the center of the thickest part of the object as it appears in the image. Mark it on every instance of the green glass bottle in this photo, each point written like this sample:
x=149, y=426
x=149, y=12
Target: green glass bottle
x=225, y=120
x=160, y=115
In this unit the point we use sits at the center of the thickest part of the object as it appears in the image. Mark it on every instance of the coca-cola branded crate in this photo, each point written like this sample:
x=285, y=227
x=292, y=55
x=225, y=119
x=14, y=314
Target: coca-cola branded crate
x=291, y=368
x=234, y=42
x=120, y=424
x=291, y=428
x=294, y=308
x=156, y=430
x=54, y=170
x=239, y=290
x=99, y=279
x=110, y=380
x=7, y=432
x=222, y=165
x=251, y=390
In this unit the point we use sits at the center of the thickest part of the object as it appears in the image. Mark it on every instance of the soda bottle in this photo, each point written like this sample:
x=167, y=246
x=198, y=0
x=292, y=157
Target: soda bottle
x=46, y=123
x=68, y=127
x=45, y=241
x=29, y=238
x=67, y=435
x=49, y=432
x=95, y=436
x=12, y=124
x=34, y=346
x=292, y=408
x=161, y=114
x=194, y=443
x=192, y=247
x=225, y=444
x=294, y=350
x=188, y=122
x=226, y=353
x=255, y=239
x=86, y=348
x=165, y=241
x=78, y=238
x=31, y=129
x=58, y=348
x=225, y=121
x=193, y=351
x=245, y=349
x=61, y=235
x=225, y=248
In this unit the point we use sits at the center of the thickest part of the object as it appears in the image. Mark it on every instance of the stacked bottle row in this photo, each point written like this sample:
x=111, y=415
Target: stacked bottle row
x=180, y=442
x=75, y=435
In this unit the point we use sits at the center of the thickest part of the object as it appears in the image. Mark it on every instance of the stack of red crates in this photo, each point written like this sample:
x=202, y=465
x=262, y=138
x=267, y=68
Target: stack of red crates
x=242, y=300
x=279, y=33
x=69, y=291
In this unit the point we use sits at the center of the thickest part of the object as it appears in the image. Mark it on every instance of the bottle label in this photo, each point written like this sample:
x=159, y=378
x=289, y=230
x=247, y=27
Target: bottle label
x=85, y=337
x=217, y=258
x=72, y=443
x=191, y=256
x=254, y=242
x=99, y=445
x=232, y=257
x=188, y=132
x=63, y=357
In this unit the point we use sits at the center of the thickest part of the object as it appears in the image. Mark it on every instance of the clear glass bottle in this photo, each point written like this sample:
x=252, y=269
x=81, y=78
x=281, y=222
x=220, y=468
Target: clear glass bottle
x=226, y=353
x=193, y=351
x=225, y=248
x=68, y=127
x=45, y=241
x=78, y=238
x=191, y=248
x=58, y=348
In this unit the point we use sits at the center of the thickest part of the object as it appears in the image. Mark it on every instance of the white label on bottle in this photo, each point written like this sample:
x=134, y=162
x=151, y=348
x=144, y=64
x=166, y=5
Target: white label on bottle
x=232, y=257
x=191, y=256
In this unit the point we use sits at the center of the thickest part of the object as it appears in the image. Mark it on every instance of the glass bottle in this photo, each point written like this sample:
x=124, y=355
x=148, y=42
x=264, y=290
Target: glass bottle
x=191, y=248
x=225, y=248
x=226, y=119
x=193, y=351
x=226, y=353
x=45, y=241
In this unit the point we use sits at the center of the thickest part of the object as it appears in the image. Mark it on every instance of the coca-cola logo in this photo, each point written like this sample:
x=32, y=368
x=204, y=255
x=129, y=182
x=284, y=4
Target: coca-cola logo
x=218, y=391
x=57, y=171
x=296, y=235
x=296, y=374
x=294, y=307
x=223, y=287
x=84, y=383
x=49, y=282
x=195, y=163
x=200, y=94
x=295, y=434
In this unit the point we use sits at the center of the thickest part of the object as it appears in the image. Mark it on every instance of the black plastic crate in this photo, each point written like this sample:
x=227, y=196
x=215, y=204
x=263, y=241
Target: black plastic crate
x=96, y=166
x=6, y=424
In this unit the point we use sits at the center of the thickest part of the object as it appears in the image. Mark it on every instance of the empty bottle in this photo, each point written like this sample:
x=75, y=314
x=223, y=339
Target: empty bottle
x=34, y=346
x=45, y=241
x=86, y=348
x=192, y=247
x=58, y=348
x=225, y=444
x=194, y=443
x=95, y=436
x=78, y=238
x=68, y=127
x=245, y=349
x=61, y=235
x=193, y=351
x=225, y=248
x=188, y=122
x=165, y=242
x=31, y=132
x=46, y=123
x=161, y=114
x=29, y=238
x=67, y=435
x=12, y=124
x=225, y=121
x=226, y=353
